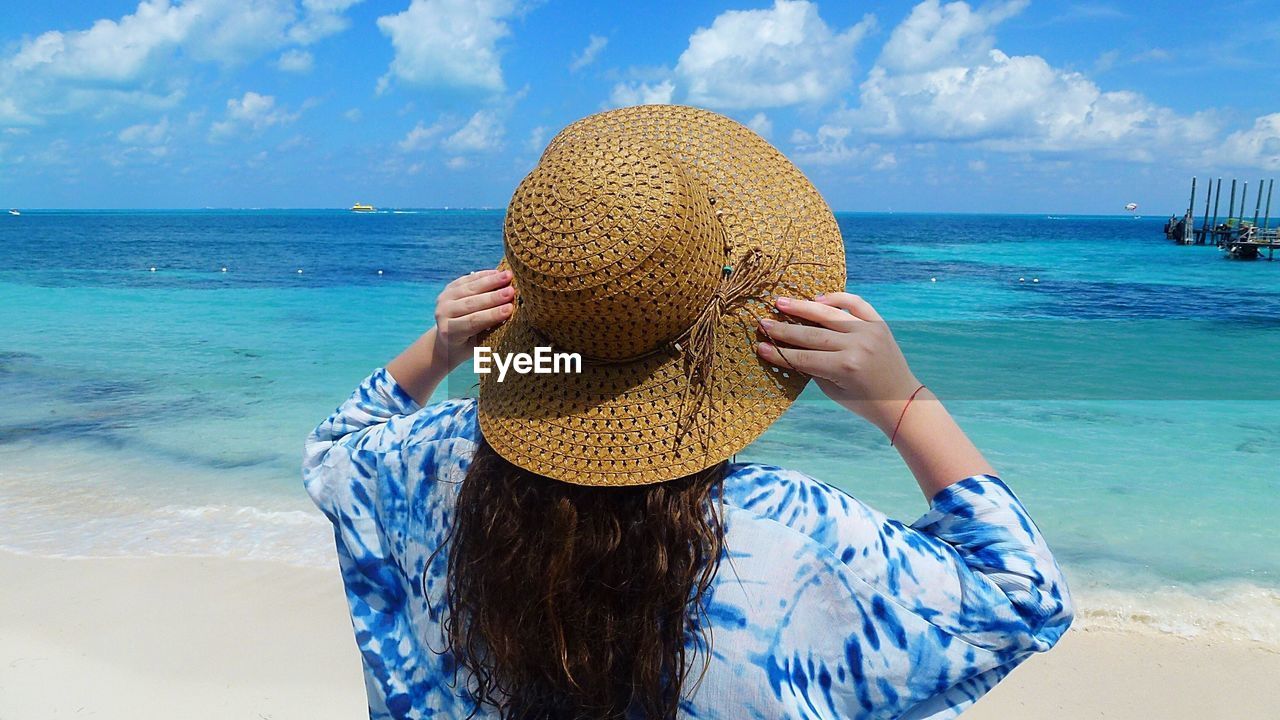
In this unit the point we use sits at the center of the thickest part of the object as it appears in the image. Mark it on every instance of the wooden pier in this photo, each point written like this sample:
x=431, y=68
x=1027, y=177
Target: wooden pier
x=1238, y=236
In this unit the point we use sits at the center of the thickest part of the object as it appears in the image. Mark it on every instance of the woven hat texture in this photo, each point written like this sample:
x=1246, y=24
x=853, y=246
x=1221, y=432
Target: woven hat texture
x=650, y=240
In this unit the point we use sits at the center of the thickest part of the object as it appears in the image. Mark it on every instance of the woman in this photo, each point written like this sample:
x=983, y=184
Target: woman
x=580, y=545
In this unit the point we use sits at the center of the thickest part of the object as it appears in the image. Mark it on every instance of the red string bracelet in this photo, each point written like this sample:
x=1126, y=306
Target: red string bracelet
x=898, y=424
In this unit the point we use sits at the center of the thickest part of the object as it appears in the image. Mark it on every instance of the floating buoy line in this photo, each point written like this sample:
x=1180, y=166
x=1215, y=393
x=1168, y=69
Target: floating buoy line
x=224, y=269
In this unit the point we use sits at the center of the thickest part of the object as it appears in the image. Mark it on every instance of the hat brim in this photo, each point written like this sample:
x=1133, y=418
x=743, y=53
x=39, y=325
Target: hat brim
x=629, y=423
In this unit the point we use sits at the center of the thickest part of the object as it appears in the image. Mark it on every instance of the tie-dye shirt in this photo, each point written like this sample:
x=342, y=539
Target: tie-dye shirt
x=828, y=609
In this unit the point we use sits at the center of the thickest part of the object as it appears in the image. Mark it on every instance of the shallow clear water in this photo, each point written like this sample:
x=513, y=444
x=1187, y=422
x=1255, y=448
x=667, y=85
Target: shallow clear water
x=1126, y=388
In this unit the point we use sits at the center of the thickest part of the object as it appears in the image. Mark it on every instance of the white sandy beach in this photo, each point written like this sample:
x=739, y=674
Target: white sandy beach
x=212, y=638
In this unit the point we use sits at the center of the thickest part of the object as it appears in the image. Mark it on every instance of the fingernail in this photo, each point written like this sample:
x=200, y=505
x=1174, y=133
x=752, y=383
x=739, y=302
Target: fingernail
x=820, y=296
x=782, y=301
x=506, y=309
x=767, y=324
x=764, y=346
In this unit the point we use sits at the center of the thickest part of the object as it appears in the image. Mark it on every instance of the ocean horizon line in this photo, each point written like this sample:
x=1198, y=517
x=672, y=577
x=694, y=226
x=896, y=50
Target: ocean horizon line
x=489, y=208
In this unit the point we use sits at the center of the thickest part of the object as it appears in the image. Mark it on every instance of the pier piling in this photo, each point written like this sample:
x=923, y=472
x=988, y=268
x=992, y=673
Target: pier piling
x=1203, y=235
x=1217, y=195
x=1266, y=222
x=1257, y=204
x=1183, y=231
x=1230, y=208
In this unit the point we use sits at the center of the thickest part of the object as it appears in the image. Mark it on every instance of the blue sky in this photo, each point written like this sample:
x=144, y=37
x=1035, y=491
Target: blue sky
x=1009, y=106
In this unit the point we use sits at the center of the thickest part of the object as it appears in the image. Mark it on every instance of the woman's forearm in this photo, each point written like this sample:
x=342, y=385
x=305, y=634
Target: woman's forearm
x=935, y=448
x=420, y=368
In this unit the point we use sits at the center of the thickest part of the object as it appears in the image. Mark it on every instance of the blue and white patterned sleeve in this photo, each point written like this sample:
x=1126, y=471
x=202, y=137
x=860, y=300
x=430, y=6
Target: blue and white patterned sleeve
x=975, y=565
x=351, y=442
x=373, y=468
x=942, y=609
x=1007, y=592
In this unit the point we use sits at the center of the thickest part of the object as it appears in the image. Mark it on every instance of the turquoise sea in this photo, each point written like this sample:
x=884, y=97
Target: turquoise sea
x=1128, y=389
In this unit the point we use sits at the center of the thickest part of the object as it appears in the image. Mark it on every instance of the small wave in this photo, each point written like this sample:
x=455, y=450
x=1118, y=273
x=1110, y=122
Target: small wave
x=250, y=513
x=1230, y=611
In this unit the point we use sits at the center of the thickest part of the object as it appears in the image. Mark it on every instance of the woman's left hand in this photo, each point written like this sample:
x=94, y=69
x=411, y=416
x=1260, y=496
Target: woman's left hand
x=850, y=352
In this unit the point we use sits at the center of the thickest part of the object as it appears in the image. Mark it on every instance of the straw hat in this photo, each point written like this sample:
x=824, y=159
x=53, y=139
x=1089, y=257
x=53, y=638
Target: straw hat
x=650, y=240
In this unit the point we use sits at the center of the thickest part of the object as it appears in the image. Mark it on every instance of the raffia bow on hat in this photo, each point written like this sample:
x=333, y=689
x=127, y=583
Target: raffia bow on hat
x=650, y=240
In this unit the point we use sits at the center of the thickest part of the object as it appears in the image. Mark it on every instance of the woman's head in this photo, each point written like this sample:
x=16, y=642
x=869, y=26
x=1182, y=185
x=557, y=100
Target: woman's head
x=576, y=602
x=651, y=240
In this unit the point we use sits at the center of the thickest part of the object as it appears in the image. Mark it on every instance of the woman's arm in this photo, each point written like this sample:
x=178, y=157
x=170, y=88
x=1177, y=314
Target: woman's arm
x=856, y=362
x=372, y=467
x=468, y=306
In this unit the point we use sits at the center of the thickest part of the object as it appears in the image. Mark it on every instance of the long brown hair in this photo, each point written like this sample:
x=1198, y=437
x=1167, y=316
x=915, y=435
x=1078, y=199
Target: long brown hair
x=580, y=603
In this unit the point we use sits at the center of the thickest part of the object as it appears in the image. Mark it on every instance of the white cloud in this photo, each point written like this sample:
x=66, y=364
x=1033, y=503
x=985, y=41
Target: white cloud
x=223, y=31
x=110, y=51
x=761, y=124
x=769, y=58
x=483, y=132
x=537, y=139
x=1112, y=59
x=254, y=111
x=353, y=114
x=11, y=114
x=448, y=43
x=141, y=57
x=421, y=137
x=941, y=78
x=936, y=35
x=830, y=146
x=640, y=93
x=144, y=134
x=456, y=163
x=231, y=33
x=321, y=19
x=293, y=143
x=588, y=55
x=1258, y=146
x=298, y=61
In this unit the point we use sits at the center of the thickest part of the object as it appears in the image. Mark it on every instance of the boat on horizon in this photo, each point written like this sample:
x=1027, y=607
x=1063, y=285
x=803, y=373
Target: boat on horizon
x=14, y=212
x=361, y=207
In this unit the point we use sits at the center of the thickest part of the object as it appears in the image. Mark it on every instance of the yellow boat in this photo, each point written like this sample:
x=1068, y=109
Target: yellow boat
x=361, y=207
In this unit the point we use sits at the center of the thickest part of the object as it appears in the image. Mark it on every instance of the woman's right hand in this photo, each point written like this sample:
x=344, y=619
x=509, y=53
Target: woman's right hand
x=467, y=307
x=852, y=354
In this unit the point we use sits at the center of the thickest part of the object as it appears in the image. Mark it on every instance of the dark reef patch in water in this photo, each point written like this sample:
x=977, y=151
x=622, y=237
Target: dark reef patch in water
x=106, y=390
x=13, y=360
